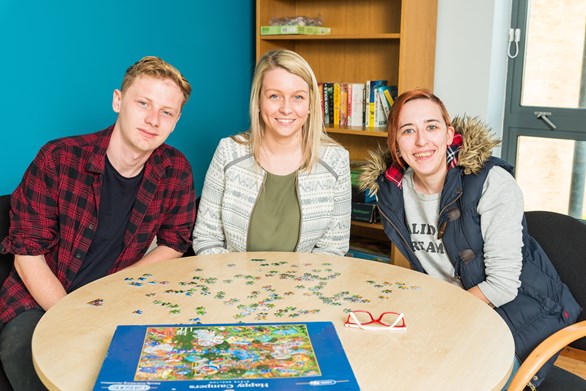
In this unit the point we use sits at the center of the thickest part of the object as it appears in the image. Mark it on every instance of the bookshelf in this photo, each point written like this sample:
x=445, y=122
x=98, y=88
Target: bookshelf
x=392, y=40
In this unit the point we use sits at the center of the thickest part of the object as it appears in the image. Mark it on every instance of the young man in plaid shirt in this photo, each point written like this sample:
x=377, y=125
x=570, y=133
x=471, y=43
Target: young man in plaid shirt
x=91, y=205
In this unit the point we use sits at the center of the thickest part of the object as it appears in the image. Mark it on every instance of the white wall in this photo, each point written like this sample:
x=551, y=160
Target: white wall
x=471, y=58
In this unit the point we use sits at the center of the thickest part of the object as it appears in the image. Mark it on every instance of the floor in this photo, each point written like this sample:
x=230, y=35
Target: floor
x=573, y=362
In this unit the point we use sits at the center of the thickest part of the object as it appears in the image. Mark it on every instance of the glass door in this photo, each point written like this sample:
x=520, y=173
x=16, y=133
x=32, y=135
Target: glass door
x=545, y=118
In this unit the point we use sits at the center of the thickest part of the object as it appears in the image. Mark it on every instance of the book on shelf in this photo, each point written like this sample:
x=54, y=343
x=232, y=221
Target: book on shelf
x=362, y=196
x=380, y=119
x=370, y=249
x=356, y=104
x=365, y=212
x=267, y=356
x=384, y=101
x=336, y=105
x=328, y=99
x=356, y=169
x=320, y=87
x=371, y=86
x=343, y=105
x=347, y=104
x=391, y=93
x=295, y=29
x=367, y=104
x=357, y=253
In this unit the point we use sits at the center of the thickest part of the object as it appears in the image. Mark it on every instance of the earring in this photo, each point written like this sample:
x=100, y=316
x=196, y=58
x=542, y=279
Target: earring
x=398, y=152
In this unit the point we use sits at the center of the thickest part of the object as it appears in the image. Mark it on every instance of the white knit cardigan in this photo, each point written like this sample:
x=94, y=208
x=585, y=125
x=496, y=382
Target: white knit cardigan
x=232, y=186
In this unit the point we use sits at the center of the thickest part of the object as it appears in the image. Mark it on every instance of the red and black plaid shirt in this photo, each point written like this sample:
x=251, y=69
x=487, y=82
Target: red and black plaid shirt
x=55, y=210
x=395, y=172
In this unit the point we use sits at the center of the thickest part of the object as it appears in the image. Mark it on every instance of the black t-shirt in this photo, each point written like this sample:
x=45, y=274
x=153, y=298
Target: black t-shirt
x=116, y=200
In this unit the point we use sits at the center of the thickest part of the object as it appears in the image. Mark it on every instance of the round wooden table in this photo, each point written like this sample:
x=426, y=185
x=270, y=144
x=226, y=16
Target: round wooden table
x=453, y=340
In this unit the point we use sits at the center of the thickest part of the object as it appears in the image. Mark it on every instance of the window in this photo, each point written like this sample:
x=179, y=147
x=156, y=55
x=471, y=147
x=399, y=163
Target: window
x=545, y=116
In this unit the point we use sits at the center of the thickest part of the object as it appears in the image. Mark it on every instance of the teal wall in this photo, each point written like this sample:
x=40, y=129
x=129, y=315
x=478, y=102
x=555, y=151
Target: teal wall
x=60, y=62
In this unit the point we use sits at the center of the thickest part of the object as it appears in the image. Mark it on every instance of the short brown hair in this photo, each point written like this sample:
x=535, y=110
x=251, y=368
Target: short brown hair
x=156, y=67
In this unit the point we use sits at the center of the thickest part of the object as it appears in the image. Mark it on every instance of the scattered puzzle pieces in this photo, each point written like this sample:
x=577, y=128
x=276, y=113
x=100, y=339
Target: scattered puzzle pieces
x=312, y=280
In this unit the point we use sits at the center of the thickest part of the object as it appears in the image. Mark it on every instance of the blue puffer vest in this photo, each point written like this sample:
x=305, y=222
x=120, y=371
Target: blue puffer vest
x=543, y=304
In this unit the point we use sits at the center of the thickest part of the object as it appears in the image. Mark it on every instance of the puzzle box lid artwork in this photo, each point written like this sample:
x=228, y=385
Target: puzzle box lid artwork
x=251, y=356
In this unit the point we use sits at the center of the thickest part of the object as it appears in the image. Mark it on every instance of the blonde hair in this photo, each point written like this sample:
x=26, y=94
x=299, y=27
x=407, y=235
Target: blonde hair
x=313, y=131
x=156, y=67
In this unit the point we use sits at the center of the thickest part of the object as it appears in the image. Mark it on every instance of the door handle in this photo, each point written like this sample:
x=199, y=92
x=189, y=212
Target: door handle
x=543, y=115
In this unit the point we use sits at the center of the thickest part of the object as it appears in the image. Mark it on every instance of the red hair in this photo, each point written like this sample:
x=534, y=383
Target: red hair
x=397, y=108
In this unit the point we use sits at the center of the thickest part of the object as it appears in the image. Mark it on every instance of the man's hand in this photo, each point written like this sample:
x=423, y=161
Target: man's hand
x=160, y=253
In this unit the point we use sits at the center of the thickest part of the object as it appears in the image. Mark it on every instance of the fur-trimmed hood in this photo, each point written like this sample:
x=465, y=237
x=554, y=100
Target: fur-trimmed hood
x=476, y=149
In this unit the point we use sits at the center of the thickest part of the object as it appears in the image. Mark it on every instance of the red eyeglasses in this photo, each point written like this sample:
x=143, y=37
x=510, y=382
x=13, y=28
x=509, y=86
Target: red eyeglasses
x=391, y=321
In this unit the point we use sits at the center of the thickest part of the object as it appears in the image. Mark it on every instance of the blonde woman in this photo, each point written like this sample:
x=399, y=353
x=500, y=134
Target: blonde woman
x=283, y=185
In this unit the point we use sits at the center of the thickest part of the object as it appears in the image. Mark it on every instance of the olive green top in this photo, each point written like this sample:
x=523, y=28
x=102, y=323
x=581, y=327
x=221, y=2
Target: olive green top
x=276, y=217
